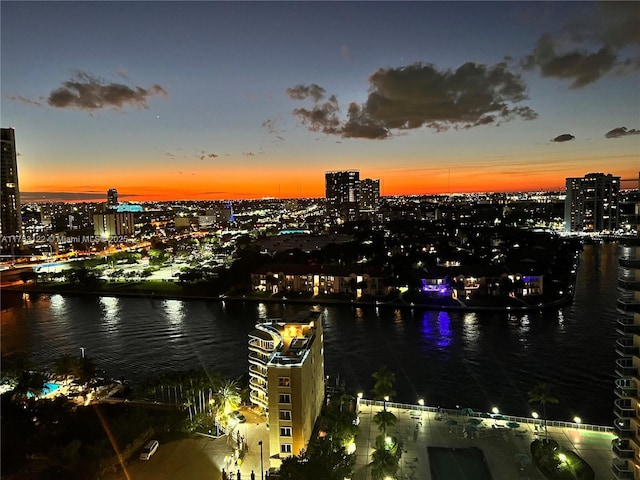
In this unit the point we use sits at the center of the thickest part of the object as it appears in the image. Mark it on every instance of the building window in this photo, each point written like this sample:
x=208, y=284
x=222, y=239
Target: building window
x=285, y=414
x=285, y=431
x=284, y=382
x=285, y=448
x=285, y=398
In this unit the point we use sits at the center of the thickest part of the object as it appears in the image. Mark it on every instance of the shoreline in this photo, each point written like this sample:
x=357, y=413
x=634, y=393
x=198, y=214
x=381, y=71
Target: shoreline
x=153, y=295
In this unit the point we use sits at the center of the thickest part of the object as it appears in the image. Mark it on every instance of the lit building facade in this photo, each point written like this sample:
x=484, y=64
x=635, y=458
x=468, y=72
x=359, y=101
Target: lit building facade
x=592, y=203
x=342, y=193
x=369, y=194
x=286, y=370
x=109, y=225
x=10, y=218
x=112, y=198
x=626, y=464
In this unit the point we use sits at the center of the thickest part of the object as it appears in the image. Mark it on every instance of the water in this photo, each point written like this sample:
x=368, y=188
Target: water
x=476, y=360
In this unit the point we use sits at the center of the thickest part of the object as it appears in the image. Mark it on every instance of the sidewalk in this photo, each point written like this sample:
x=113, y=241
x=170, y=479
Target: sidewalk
x=502, y=447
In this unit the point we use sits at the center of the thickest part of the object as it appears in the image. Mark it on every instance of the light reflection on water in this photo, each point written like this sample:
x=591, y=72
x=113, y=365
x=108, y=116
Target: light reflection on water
x=472, y=359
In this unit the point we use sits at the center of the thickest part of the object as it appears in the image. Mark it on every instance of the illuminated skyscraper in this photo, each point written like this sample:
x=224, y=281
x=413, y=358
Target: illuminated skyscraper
x=369, y=194
x=10, y=219
x=112, y=198
x=342, y=193
x=592, y=203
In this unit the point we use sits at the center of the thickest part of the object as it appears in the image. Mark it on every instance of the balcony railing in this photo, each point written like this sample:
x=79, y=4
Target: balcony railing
x=258, y=400
x=626, y=325
x=629, y=262
x=628, y=305
x=622, y=449
x=625, y=346
x=624, y=408
x=625, y=388
x=621, y=470
x=622, y=428
x=628, y=284
x=625, y=368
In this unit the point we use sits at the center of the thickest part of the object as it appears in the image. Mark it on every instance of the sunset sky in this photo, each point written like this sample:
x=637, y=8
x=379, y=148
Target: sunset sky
x=236, y=100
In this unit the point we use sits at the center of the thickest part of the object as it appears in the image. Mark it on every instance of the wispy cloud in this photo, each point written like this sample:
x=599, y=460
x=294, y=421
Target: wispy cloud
x=86, y=92
x=621, y=132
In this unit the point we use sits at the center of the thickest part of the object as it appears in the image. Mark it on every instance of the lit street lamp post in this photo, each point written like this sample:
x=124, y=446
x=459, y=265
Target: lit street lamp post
x=261, y=467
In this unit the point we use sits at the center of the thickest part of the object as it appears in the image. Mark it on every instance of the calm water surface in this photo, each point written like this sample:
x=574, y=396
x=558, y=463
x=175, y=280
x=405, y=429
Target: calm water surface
x=476, y=360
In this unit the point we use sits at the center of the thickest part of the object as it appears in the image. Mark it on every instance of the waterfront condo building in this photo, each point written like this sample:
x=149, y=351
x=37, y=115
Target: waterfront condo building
x=10, y=218
x=626, y=464
x=342, y=193
x=286, y=370
x=591, y=204
x=369, y=195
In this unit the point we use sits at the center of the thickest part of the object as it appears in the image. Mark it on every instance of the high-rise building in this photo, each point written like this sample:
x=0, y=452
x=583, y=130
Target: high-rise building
x=626, y=464
x=342, y=193
x=112, y=198
x=120, y=224
x=369, y=194
x=591, y=204
x=286, y=370
x=10, y=218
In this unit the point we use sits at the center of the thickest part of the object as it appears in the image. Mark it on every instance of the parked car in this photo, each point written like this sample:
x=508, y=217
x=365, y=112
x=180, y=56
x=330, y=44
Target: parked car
x=149, y=449
x=238, y=416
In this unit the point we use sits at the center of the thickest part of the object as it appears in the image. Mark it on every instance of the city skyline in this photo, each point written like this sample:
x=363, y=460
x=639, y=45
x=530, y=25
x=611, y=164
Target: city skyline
x=239, y=100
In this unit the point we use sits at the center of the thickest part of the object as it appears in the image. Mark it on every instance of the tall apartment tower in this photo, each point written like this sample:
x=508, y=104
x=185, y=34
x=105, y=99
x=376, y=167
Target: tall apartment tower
x=369, y=194
x=626, y=463
x=591, y=204
x=112, y=199
x=286, y=370
x=342, y=193
x=10, y=217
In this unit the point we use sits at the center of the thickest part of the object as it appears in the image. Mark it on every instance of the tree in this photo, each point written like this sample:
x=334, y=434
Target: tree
x=30, y=384
x=65, y=365
x=384, y=420
x=383, y=388
x=384, y=463
x=541, y=394
x=227, y=399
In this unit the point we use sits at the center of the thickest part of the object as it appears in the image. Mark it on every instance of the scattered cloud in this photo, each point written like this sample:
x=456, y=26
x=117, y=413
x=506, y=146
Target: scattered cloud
x=123, y=72
x=20, y=98
x=248, y=154
x=419, y=95
x=202, y=155
x=621, y=132
x=301, y=92
x=86, y=92
x=579, y=66
x=565, y=137
x=590, y=47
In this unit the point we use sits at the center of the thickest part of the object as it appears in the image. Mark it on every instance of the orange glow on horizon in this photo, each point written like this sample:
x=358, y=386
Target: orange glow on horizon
x=233, y=183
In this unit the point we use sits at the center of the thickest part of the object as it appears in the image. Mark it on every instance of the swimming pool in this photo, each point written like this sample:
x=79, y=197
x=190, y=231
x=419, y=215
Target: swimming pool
x=458, y=464
x=48, y=388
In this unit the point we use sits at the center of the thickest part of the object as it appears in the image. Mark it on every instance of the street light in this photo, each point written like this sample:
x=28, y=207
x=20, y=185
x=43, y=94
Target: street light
x=261, y=467
x=82, y=352
x=421, y=402
x=577, y=420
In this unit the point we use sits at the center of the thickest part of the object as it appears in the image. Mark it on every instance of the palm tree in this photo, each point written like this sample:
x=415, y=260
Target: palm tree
x=383, y=388
x=383, y=420
x=541, y=394
x=227, y=399
x=384, y=463
x=30, y=384
x=64, y=365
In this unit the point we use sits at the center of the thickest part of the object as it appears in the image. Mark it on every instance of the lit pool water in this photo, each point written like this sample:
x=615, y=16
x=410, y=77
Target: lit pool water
x=48, y=388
